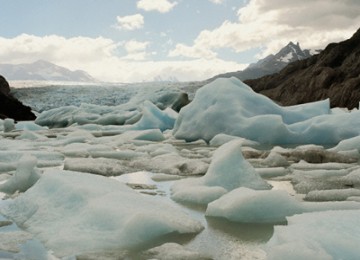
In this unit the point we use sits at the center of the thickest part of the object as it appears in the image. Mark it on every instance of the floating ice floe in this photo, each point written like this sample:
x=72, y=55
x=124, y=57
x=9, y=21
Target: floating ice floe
x=228, y=170
x=73, y=213
x=230, y=107
x=332, y=195
x=99, y=166
x=44, y=158
x=29, y=126
x=251, y=206
x=348, y=144
x=26, y=175
x=318, y=235
x=171, y=163
x=8, y=124
x=305, y=181
x=154, y=118
x=173, y=251
x=352, y=179
x=221, y=139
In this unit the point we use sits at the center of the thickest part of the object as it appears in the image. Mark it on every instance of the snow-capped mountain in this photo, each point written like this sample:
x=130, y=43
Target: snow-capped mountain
x=43, y=70
x=290, y=53
x=270, y=64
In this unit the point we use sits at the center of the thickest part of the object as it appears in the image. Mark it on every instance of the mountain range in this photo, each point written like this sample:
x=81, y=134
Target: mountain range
x=333, y=73
x=270, y=64
x=43, y=70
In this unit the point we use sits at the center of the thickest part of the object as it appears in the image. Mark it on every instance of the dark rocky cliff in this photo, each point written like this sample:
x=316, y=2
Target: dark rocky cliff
x=11, y=107
x=334, y=73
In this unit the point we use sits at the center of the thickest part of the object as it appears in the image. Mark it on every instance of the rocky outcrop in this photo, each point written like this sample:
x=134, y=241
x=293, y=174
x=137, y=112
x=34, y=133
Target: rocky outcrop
x=334, y=73
x=11, y=107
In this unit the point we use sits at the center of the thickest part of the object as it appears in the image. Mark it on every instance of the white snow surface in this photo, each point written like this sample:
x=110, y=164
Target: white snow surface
x=230, y=107
x=74, y=212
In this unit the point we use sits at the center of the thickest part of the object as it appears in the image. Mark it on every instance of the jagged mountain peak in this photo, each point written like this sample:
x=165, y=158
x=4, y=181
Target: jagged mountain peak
x=271, y=64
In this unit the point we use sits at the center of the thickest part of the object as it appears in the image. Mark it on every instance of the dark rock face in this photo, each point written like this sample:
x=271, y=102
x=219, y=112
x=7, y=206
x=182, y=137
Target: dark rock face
x=334, y=74
x=11, y=107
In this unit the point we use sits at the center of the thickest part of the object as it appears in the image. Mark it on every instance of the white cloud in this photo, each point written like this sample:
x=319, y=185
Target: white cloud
x=191, y=52
x=135, y=50
x=135, y=46
x=272, y=24
x=98, y=56
x=162, y=6
x=130, y=22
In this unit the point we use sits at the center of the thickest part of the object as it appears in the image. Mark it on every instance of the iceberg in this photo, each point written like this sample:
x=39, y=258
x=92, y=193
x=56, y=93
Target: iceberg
x=154, y=118
x=230, y=107
x=73, y=213
x=228, y=170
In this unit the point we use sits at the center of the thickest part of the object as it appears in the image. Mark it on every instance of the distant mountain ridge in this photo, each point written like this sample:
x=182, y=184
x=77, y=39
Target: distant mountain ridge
x=270, y=64
x=334, y=73
x=43, y=70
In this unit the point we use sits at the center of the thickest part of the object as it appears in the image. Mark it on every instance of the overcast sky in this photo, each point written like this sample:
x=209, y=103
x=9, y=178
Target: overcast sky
x=138, y=40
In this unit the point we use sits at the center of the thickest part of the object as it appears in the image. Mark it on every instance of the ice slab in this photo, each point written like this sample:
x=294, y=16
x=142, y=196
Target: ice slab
x=9, y=125
x=272, y=206
x=348, y=144
x=74, y=212
x=26, y=175
x=320, y=235
x=29, y=125
x=154, y=118
x=171, y=163
x=221, y=139
x=310, y=180
x=250, y=206
x=331, y=195
x=99, y=166
x=352, y=179
x=173, y=251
